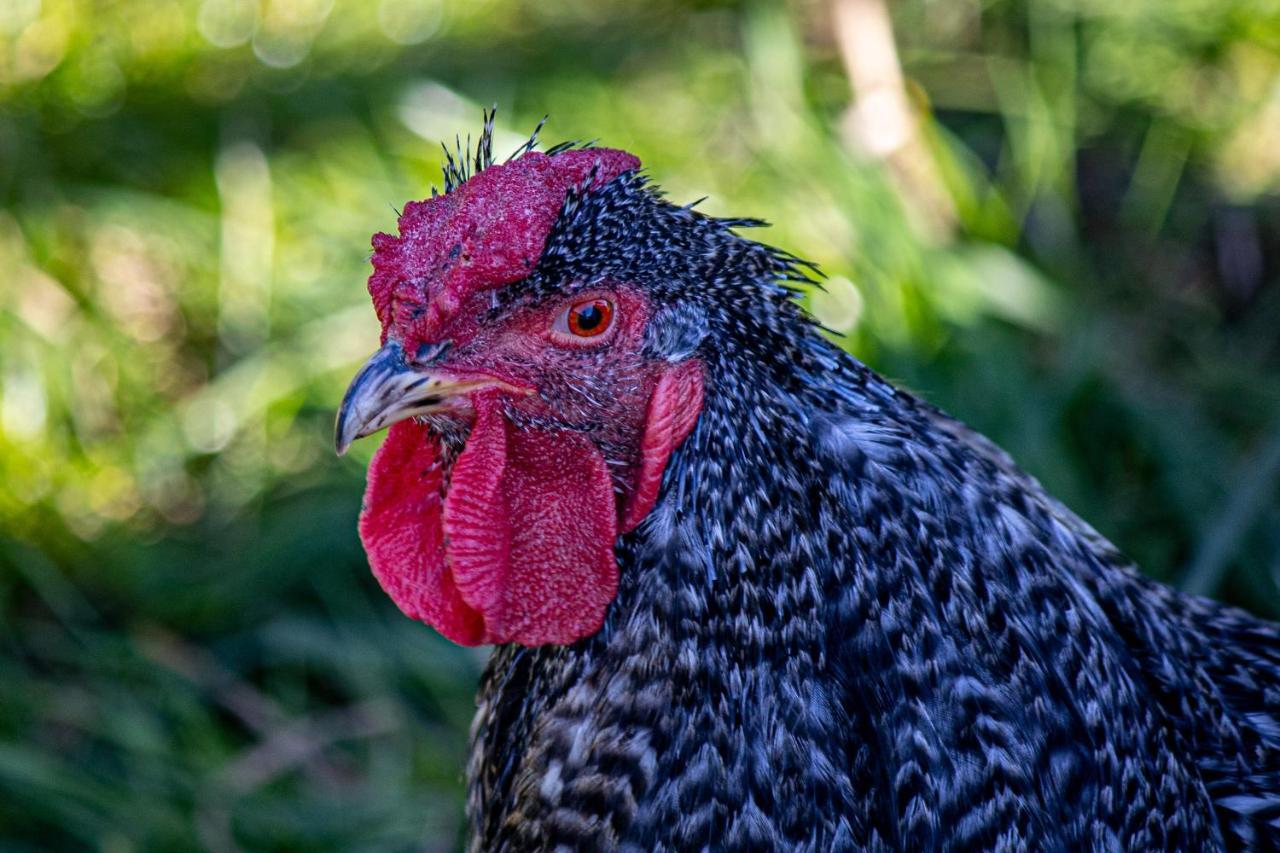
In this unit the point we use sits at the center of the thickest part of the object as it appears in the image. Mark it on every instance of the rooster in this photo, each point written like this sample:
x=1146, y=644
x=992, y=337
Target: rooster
x=745, y=594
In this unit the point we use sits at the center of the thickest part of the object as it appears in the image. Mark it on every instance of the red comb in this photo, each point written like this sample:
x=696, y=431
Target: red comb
x=486, y=233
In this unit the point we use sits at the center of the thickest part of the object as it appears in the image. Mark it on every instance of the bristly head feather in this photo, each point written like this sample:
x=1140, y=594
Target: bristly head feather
x=462, y=162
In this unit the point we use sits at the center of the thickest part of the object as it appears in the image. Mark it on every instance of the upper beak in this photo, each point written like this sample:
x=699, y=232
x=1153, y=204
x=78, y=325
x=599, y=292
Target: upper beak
x=389, y=389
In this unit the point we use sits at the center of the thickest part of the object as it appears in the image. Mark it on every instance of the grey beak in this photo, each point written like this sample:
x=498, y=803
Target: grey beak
x=388, y=389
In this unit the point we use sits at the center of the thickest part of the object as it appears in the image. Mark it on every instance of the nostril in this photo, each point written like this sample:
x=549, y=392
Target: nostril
x=430, y=353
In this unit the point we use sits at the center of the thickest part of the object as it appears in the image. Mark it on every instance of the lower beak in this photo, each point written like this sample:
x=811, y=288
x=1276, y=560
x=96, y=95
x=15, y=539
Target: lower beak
x=389, y=389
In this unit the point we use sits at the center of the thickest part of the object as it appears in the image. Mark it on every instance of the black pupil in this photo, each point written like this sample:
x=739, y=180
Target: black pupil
x=590, y=317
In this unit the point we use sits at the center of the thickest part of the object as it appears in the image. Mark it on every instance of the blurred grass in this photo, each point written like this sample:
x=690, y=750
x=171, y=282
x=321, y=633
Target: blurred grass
x=1076, y=250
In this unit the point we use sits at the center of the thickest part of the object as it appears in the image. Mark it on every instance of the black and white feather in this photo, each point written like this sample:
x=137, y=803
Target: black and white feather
x=851, y=623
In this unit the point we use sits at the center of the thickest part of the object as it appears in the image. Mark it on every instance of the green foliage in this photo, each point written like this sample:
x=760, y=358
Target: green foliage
x=1077, y=252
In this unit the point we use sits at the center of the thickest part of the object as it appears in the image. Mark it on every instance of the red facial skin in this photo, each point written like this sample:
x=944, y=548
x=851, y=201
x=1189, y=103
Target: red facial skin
x=514, y=542
x=599, y=383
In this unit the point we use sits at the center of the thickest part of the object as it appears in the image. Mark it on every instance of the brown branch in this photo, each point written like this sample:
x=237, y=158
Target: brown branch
x=881, y=122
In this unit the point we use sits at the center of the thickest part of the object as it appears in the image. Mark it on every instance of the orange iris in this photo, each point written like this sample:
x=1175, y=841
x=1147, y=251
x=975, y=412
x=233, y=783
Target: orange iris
x=590, y=318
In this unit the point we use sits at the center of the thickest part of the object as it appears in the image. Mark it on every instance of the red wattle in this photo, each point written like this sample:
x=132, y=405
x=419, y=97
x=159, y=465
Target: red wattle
x=530, y=522
x=520, y=548
x=403, y=534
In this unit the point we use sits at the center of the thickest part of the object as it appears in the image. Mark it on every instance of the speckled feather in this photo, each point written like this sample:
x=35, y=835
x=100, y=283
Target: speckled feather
x=852, y=623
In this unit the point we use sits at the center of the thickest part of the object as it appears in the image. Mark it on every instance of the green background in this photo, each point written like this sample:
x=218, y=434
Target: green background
x=1057, y=219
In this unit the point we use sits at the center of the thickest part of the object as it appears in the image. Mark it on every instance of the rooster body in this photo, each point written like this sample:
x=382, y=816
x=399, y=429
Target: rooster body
x=847, y=622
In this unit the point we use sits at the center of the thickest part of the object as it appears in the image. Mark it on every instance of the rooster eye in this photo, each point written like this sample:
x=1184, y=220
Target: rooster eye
x=588, y=319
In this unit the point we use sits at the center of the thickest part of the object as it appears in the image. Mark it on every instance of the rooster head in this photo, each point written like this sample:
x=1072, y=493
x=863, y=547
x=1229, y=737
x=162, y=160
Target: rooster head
x=531, y=416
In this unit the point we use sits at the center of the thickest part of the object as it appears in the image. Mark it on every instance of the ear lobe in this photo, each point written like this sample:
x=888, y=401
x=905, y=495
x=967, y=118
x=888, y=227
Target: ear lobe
x=673, y=410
